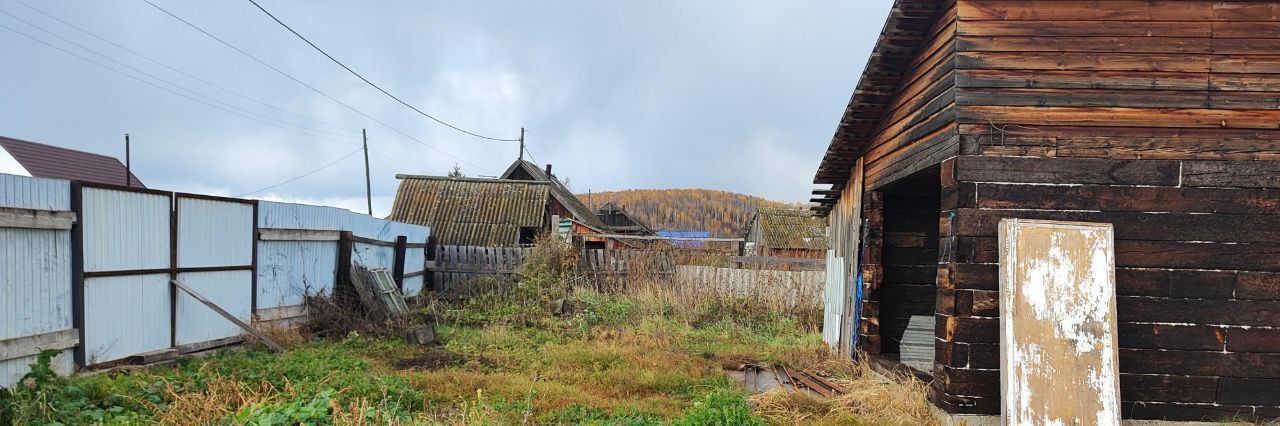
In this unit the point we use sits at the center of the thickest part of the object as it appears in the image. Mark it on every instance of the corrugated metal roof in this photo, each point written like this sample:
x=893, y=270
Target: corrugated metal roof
x=562, y=194
x=471, y=212
x=789, y=228
x=48, y=161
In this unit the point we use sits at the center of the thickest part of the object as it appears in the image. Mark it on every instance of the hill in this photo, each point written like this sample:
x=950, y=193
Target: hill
x=723, y=213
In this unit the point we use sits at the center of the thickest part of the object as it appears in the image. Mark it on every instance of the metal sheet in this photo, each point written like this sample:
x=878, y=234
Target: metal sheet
x=289, y=269
x=35, y=281
x=413, y=286
x=302, y=216
x=125, y=316
x=373, y=256
x=834, y=300
x=1057, y=323
x=124, y=230
x=34, y=193
x=11, y=371
x=230, y=290
x=214, y=233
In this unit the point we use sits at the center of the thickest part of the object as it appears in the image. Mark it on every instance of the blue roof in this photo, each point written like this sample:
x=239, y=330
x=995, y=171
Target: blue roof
x=685, y=234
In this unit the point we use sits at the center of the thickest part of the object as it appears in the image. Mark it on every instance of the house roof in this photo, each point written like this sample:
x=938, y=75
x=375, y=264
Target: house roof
x=617, y=219
x=904, y=33
x=48, y=161
x=471, y=212
x=561, y=193
x=790, y=228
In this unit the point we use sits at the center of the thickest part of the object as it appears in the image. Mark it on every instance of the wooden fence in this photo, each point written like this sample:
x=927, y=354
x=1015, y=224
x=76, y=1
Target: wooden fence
x=779, y=290
x=456, y=267
x=455, y=271
x=613, y=269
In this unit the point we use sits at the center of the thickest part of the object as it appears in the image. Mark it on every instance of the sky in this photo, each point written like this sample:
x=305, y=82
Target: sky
x=740, y=96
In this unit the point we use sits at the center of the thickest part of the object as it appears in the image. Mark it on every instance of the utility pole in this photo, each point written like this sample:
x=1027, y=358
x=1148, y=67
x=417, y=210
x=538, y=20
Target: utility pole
x=128, y=169
x=368, y=188
x=521, y=144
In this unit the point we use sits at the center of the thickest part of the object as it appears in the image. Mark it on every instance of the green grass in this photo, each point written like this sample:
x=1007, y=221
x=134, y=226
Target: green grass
x=632, y=360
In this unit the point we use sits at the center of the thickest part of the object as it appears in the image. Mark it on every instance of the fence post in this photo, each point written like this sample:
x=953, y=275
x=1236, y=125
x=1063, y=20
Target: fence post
x=397, y=266
x=342, y=282
x=429, y=277
x=77, y=271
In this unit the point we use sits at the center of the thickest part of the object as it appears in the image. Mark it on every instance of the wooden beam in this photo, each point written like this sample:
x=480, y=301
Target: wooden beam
x=281, y=234
x=246, y=327
x=769, y=259
x=659, y=237
x=32, y=345
x=35, y=219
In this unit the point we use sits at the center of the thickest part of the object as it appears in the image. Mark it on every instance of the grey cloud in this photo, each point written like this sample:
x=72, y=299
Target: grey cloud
x=741, y=96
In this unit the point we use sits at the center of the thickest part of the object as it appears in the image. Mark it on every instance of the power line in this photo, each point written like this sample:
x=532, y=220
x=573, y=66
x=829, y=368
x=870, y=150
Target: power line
x=304, y=174
x=171, y=68
x=370, y=83
x=149, y=83
x=241, y=112
x=318, y=91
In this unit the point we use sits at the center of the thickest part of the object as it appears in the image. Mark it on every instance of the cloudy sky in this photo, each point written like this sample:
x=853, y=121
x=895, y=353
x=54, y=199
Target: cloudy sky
x=734, y=95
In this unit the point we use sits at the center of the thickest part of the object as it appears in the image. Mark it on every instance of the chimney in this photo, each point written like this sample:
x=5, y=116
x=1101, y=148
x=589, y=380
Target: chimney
x=549, y=169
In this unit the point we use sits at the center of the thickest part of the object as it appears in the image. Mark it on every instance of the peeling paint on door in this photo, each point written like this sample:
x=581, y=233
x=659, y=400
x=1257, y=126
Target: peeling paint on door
x=1057, y=323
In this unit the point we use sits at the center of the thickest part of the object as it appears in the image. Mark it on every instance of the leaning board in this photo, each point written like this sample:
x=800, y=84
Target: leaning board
x=1057, y=323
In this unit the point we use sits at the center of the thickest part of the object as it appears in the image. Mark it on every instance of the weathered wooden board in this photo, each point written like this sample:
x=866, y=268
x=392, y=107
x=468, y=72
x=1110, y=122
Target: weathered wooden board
x=1058, y=345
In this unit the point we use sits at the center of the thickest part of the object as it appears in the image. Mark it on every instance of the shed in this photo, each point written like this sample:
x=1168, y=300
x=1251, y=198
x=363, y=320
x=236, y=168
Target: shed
x=26, y=158
x=1158, y=117
x=564, y=204
x=779, y=232
x=618, y=221
x=473, y=212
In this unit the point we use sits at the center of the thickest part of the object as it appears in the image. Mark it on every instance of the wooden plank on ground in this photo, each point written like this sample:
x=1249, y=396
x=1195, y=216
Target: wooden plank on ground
x=1058, y=323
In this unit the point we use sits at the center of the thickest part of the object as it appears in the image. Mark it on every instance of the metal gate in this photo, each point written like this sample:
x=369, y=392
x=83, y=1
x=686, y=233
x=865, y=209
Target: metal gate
x=122, y=277
x=835, y=295
x=134, y=241
x=215, y=257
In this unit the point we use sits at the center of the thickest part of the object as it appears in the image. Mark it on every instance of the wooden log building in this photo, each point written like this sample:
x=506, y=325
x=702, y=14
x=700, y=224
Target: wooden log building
x=1160, y=117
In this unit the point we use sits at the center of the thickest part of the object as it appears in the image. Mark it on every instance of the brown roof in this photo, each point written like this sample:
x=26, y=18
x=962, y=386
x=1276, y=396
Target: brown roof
x=561, y=193
x=48, y=161
x=469, y=211
x=789, y=228
x=904, y=32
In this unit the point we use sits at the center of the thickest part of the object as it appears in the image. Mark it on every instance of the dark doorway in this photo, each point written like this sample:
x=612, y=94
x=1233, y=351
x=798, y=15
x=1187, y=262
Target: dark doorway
x=910, y=260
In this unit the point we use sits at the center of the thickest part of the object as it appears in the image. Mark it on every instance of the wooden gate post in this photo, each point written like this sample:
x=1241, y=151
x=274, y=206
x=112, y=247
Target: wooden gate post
x=342, y=282
x=397, y=266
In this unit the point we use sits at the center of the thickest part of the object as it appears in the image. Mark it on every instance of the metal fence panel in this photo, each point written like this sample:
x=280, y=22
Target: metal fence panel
x=124, y=230
x=35, y=281
x=35, y=272
x=228, y=289
x=289, y=269
x=23, y=192
x=125, y=316
x=11, y=371
x=214, y=233
x=302, y=216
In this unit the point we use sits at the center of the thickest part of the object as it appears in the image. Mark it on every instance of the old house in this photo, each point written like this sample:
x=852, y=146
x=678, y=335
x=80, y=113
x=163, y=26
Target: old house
x=777, y=232
x=616, y=220
x=474, y=212
x=1156, y=116
x=563, y=203
x=26, y=158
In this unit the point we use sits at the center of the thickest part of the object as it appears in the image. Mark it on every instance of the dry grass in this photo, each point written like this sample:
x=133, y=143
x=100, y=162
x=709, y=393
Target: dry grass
x=868, y=399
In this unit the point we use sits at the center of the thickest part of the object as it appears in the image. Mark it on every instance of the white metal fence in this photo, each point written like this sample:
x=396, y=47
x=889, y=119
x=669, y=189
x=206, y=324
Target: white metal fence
x=35, y=274
x=85, y=268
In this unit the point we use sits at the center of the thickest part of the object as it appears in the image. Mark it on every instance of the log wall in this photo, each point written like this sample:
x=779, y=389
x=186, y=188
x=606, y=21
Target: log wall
x=918, y=128
x=1160, y=117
